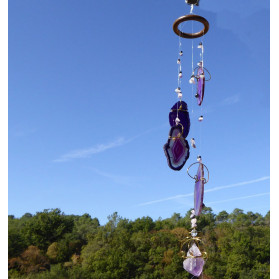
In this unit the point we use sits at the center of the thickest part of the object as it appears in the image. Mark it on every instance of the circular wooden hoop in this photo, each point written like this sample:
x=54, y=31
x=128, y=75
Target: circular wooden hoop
x=191, y=35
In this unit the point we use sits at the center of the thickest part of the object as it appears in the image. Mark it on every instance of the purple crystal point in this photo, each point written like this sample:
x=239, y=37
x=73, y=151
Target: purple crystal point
x=176, y=149
x=199, y=190
x=194, y=264
x=183, y=115
x=200, y=86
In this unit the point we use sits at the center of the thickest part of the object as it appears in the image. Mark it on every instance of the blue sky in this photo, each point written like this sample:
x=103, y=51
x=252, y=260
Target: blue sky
x=90, y=88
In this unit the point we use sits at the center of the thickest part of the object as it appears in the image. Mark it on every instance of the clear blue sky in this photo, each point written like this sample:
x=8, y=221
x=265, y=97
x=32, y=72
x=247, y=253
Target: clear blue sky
x=90, y=88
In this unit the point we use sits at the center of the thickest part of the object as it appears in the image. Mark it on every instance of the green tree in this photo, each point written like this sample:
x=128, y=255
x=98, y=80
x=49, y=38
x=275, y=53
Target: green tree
x=47, y=227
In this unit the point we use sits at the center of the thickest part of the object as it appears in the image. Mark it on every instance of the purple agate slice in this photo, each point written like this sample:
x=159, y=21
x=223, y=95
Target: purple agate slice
x=183, y=116
x=199, y=191
x=194, y=265
x=200, y=85
x=176, y=149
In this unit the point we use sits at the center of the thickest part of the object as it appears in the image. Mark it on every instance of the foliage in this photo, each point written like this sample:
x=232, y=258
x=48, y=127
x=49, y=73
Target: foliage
x=51, y=244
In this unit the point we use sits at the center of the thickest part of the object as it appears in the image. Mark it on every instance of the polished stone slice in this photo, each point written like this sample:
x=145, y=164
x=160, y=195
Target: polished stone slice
x=176, y=149
x=200, y=85
x=194, y=265
x=183, y=116
x=199, y=190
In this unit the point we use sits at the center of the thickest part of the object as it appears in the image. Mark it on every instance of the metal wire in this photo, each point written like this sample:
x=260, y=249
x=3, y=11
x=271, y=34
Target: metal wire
x=195, y=177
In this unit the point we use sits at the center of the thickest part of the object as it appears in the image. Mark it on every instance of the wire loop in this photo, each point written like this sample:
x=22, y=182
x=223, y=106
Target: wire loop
x=195, y=177
x=206, y=70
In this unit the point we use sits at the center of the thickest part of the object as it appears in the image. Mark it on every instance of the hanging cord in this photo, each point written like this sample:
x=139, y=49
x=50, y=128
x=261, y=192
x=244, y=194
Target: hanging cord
x=178, y=71
x=192, y=8
x=192, y=71
x=191, y=11
x=202, y=50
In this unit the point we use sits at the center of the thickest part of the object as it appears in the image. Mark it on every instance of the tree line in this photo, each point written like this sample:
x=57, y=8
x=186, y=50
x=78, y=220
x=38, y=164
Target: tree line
x=52, y=245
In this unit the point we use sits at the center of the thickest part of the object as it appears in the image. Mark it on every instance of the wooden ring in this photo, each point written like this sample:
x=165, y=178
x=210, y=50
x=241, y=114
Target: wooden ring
x=187, y=18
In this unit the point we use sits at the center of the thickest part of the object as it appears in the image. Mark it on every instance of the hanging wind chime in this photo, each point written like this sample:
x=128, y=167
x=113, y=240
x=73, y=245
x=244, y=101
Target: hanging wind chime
x=177, y=149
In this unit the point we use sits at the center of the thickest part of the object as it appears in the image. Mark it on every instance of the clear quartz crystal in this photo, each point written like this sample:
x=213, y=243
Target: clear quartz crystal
x=194, y=233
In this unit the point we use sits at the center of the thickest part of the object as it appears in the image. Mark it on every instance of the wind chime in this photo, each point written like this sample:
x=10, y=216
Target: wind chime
x=177, y=149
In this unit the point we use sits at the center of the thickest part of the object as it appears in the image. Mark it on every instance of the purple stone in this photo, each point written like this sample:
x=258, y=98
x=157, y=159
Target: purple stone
x=191, y=264
x=200, y=85
x=183, y=116
x=176, y=149
x=199, y=191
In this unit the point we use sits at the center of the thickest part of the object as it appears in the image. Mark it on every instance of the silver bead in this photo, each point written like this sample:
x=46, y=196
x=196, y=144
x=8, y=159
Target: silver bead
x=201, y=118
x=177, y=120
x=178, y=61
x=179, y=95
x=180, y=74
x=181, y=53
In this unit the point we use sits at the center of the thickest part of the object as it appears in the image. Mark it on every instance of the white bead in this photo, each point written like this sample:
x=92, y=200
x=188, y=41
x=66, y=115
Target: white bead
x=194, y=221
x=178, y=61
x=192, y=80
x=177, y=120
x=194, y=225
x=180, y=75
x=201, y=76
x=181, y=53
x=192, y=215
x=193, y=211
x=180, y=95
x=201, y=118
x=193, y=143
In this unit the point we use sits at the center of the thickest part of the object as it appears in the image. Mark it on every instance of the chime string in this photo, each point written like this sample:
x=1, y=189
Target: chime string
x=202, y=60
x=192, y=99
x=179, y=69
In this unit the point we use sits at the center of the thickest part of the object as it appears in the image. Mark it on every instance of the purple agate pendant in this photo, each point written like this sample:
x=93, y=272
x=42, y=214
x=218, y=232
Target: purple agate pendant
x=194, y=262
x=200, y=85
x=199, y=190
x=183, y=115
x=176, y=149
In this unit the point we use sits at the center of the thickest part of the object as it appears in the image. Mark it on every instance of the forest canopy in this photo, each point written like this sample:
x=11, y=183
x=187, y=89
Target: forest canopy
x=50, y=244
